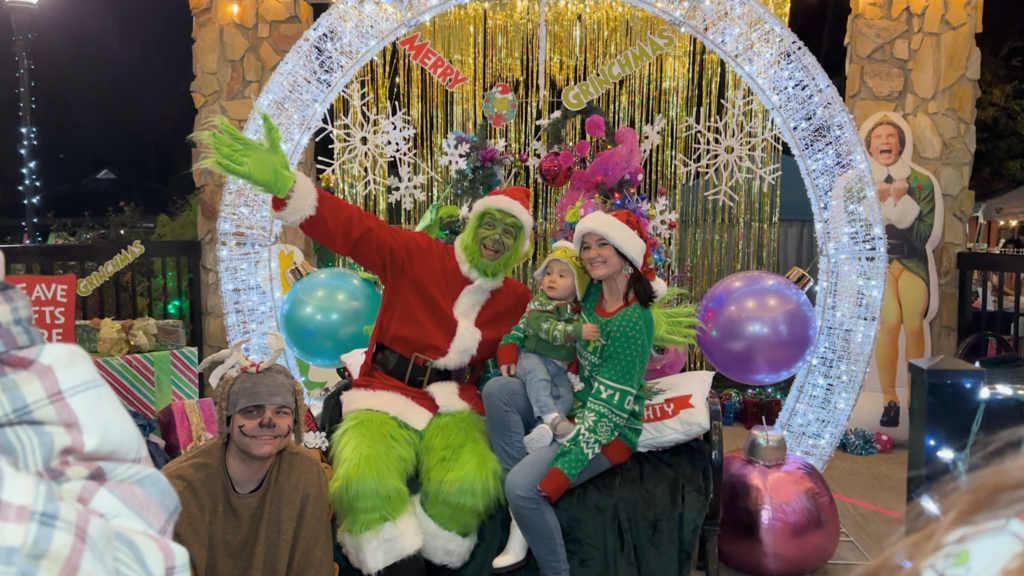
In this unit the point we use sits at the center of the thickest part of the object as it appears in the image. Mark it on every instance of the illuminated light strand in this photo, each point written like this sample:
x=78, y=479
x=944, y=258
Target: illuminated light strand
x=781, y=72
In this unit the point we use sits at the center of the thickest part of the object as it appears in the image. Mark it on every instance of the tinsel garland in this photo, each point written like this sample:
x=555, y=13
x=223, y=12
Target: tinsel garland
x=859, y=442
x=498, y=42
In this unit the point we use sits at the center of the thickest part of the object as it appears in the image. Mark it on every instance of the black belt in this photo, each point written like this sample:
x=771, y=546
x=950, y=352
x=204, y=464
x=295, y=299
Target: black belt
x=418, y=372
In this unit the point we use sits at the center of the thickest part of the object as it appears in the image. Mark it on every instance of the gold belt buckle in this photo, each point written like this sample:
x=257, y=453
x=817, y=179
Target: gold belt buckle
x=413, y=362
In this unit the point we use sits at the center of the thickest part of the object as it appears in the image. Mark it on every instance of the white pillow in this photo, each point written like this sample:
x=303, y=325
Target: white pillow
x=678, y=413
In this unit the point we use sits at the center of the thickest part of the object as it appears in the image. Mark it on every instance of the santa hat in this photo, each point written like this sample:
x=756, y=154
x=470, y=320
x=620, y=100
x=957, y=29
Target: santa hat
x=515, y=201
x=565, y=252
x=624, y=230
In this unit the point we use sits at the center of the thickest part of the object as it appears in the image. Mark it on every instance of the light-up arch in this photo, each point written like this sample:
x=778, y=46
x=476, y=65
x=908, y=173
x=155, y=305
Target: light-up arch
x=772, y=62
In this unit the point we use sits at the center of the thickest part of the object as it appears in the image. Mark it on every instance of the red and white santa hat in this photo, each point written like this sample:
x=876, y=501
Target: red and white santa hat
x=625, y=231
x=515, y=201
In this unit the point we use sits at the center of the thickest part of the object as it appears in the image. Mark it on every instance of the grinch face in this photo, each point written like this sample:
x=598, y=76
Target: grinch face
x=496, y=236
x=491, y=243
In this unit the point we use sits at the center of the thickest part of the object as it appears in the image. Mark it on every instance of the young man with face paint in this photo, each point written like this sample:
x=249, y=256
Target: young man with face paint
x=415, y=409
x=255, y=503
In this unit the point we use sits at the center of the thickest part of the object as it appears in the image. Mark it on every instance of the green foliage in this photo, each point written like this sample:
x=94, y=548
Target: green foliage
x=859, y=442
x=124, y=224
x=999, y=161
x=181, y=224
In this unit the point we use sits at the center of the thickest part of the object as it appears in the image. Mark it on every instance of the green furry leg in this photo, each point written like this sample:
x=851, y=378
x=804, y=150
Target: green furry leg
x=460, y=475
x=374, y=455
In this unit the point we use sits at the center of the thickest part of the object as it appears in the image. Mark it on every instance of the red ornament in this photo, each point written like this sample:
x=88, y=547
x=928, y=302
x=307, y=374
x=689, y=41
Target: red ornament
x=662, y=191
x=555, y=171
x=778, y=515
x=884, y=443
x=524, y=157
x=672, y=225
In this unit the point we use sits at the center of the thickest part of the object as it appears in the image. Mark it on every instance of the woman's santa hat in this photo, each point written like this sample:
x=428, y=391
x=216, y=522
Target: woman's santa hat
x=623, y=229
x=515, y=201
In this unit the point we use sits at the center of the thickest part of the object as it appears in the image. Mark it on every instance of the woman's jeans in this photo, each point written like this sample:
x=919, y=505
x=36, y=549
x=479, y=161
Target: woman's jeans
x=509, y=417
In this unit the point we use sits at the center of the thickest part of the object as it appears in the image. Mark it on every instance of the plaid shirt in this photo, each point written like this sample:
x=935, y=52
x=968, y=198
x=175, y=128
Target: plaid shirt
x=78, y=493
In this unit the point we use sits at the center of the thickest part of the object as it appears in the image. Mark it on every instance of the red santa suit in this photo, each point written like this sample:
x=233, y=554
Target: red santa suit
x=434, y=304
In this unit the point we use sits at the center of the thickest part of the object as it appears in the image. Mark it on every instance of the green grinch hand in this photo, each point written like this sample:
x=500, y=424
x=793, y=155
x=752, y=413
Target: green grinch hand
x=228, y=151
x=429, y=220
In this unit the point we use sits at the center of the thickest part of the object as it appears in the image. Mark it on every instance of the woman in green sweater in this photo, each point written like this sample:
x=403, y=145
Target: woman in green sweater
x=609, y=409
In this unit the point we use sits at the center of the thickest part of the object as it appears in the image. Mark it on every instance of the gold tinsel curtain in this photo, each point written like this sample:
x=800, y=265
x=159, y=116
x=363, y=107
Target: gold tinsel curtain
x=498, y=42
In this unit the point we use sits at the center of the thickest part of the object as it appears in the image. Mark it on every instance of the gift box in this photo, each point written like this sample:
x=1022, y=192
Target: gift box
x=186, y=425
x=148, y=382
x=170, y=335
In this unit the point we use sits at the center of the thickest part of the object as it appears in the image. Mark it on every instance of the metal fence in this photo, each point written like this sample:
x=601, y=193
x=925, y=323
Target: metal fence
x=990, y=295
x=162, y=283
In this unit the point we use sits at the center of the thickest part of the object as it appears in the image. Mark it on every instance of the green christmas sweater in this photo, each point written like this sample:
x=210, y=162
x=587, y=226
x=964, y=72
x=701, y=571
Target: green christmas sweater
x=549, y=328
x=610, y=407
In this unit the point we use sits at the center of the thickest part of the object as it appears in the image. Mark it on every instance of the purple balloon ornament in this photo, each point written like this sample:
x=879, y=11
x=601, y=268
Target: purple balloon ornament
x=758, y=328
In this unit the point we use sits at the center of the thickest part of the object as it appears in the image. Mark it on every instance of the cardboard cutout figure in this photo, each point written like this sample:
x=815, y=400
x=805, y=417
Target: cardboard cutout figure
x=912, y=213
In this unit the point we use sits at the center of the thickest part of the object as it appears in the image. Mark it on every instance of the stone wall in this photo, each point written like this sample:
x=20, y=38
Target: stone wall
x=238, y=44
x=920, y=58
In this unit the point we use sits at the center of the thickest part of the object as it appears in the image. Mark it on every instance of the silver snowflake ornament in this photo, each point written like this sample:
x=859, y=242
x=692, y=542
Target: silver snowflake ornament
x=652, y=136
x=731, y=150
x=659, y=221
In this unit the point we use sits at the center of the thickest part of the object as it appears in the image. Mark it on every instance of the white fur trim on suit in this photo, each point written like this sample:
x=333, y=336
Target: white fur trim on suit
x=371, y=552
x=390, y=403
x=440, y=546
x=302, y=201
x=506, y=204
x=901, y=214
x=467, y=336
x=446, y=394
x=660, y=288
x=900, y=169
x=615, y=231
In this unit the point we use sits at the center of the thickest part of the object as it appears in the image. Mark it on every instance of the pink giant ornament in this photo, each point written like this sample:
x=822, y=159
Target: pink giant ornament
x=778, y=515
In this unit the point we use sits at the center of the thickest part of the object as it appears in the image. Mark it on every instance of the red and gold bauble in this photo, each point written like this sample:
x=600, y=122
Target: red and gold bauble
x=778, y=515
x=556, y=168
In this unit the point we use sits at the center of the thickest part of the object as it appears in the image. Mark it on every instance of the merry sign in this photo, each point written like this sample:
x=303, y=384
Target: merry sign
x=436, y=65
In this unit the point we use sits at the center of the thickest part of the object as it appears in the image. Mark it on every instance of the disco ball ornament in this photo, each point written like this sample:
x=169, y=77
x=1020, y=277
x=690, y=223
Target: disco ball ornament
x=758, y=328
x=778, y=515
x=328, y=313
x=556, y=168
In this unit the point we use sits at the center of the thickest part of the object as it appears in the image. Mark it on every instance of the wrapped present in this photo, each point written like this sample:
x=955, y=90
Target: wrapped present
x=148, y=382
x=140, y=335
x=187, y=425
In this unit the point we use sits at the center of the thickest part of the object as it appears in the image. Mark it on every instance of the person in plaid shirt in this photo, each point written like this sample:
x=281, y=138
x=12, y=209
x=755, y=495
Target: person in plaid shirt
x=78, y=492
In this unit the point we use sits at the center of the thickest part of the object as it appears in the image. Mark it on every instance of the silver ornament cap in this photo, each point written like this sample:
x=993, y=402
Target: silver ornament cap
x=765, y=445
x=802, y=279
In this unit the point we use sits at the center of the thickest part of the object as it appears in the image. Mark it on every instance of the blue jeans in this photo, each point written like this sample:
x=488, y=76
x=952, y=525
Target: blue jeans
x=509, y=417
x=547, y=384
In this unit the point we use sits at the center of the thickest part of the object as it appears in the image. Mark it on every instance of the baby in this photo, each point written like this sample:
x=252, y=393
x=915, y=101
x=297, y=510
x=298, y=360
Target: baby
x=542, y=345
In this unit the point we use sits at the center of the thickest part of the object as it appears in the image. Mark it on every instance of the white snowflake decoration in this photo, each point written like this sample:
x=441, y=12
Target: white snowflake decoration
x=659, y=222
x=543, y=122
x=539, y=151
x=731, y=150
x=464, y=211
x=395, y=136
x=455, y=153
x=499, y=145
x=315, y=440
x=407, y=187
x=364, y=140
x=652, y=136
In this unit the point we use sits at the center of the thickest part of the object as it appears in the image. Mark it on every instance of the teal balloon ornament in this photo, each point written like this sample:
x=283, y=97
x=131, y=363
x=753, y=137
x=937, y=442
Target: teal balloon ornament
x=328, y=313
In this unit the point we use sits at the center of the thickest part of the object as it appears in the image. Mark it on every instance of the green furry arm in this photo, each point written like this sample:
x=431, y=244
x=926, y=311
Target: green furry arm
x=229, y=152
x=674, y=325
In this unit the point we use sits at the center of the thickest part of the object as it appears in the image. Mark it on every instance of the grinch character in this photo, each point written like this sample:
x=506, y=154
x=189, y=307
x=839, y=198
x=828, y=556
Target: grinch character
x=414, y=409
x=908, y=211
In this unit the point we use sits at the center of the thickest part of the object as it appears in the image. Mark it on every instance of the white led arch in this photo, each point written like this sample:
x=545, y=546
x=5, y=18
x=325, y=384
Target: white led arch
x=772, y=62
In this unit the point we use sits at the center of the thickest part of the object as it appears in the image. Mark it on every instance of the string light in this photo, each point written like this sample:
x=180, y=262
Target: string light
x=780, y=71
x=30, y=184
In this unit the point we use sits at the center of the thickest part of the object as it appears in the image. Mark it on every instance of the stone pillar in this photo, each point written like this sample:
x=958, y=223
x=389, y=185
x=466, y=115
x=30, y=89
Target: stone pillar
x=238, y=43
x=920, y=58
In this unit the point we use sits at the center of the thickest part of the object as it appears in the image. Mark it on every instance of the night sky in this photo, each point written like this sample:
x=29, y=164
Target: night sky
x=112, y=92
